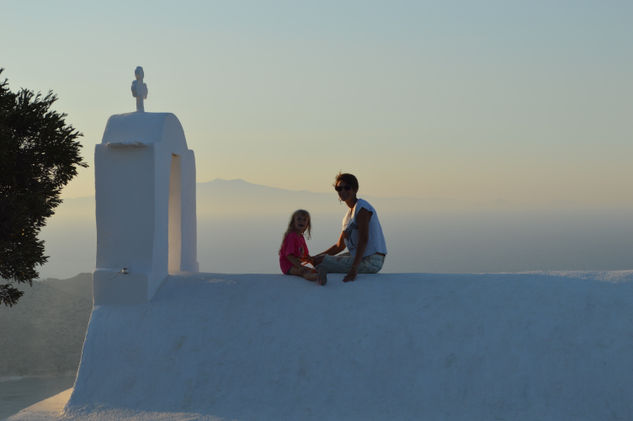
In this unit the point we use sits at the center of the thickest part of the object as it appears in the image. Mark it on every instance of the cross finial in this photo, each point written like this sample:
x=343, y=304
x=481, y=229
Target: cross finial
x=139, y=89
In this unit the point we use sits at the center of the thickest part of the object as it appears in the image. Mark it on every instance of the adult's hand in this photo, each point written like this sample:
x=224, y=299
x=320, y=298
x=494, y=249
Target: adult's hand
x=351, y=275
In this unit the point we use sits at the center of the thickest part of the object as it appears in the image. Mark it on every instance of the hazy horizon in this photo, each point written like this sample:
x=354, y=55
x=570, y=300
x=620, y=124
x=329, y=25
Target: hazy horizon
x=443, y=241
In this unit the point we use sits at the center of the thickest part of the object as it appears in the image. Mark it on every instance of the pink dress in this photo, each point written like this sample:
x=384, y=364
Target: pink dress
x=294, y=244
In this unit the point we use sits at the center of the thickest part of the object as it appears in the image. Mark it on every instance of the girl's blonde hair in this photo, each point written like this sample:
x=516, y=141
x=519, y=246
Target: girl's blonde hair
x=291, y=224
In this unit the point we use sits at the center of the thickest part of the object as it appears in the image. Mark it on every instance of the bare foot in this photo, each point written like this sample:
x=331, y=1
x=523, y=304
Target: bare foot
x=322, y=277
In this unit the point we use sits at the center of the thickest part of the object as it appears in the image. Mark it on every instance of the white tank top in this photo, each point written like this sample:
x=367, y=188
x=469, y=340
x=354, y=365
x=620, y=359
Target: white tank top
x=376, y=240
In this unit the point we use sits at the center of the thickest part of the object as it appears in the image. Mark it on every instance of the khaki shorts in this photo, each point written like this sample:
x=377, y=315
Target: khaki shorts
x=343, y=263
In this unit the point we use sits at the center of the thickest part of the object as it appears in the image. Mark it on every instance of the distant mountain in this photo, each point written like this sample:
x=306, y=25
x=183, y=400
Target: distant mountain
x=239, y=197
x=238, y=185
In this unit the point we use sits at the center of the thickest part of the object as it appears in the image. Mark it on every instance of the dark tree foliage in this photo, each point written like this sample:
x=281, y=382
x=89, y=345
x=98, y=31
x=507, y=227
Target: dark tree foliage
x=39, y=155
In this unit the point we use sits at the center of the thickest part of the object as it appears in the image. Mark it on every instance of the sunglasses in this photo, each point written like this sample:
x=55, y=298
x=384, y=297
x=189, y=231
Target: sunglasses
x=339, y=188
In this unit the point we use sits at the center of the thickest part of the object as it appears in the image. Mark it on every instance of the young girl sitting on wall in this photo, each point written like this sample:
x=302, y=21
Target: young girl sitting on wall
x=293, y=253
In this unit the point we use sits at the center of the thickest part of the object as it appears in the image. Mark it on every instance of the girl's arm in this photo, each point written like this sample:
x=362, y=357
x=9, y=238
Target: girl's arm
x=296, y=262
x=362, y=219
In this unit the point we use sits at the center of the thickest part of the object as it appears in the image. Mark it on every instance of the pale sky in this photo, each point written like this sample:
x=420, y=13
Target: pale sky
x=520, y=104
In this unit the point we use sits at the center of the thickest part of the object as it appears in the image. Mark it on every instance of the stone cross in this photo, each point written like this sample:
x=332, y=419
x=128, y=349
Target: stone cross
x=139, y=89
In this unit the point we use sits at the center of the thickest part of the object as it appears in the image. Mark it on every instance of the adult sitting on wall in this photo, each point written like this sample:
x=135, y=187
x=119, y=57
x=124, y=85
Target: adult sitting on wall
x=361, y=235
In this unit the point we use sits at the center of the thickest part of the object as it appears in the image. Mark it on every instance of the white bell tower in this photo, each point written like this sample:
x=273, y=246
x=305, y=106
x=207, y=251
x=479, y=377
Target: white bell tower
x=145, y=192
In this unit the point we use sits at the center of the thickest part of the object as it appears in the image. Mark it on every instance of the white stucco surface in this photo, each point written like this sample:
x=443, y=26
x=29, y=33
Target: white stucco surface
x=532, y=346
x=145, y=206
